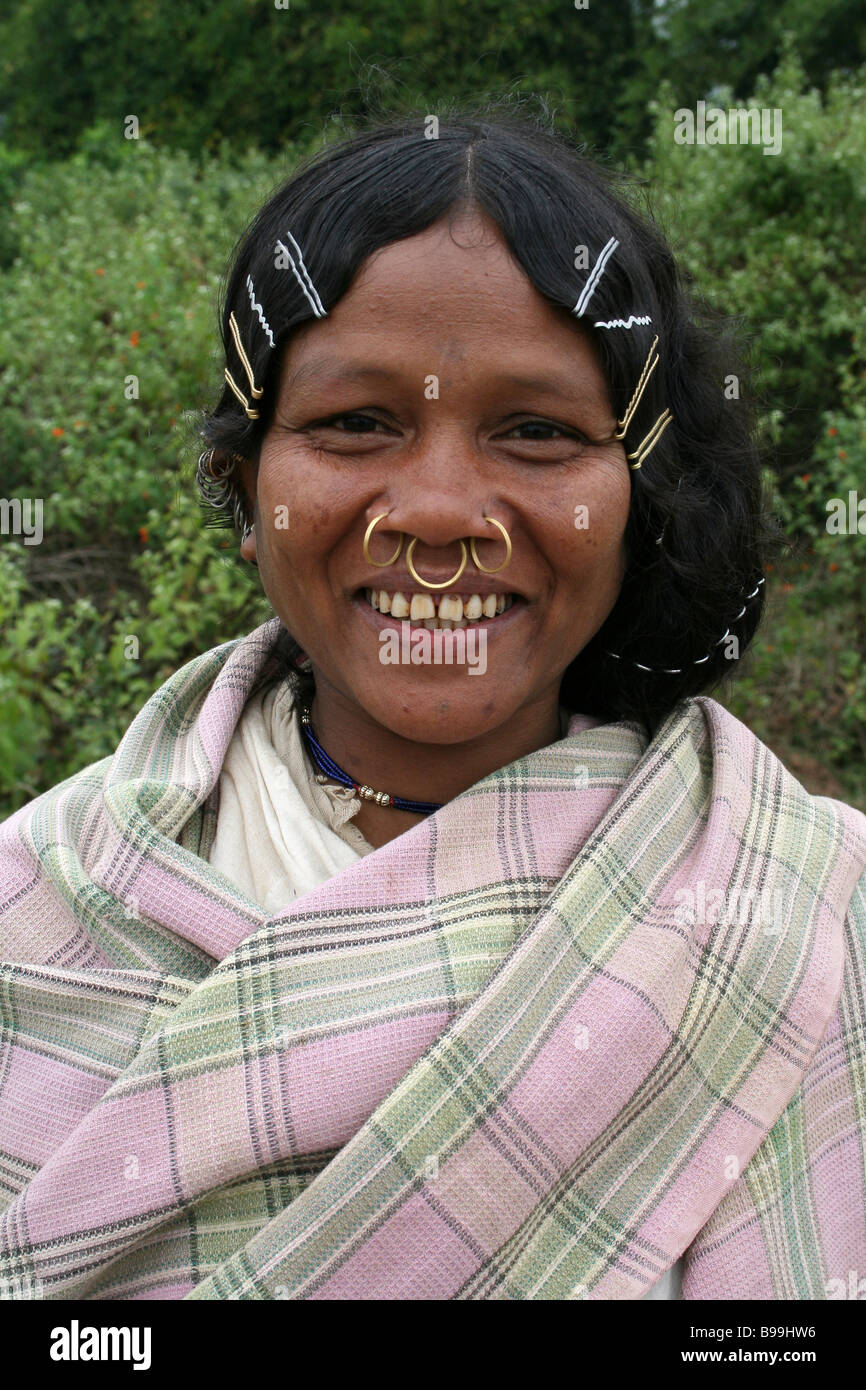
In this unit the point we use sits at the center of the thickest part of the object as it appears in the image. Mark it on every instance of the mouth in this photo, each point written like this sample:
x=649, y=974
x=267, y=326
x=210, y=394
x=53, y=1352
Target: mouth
x=447, y=610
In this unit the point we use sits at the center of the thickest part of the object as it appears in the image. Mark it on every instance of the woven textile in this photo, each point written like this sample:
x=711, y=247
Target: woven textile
x=494, y=1059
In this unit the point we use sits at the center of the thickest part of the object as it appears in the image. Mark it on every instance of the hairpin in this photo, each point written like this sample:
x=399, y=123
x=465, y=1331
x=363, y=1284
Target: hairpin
x=257, y=309
x=678, y=670
x=255, y=391
x=633, y=321
x=623, y=424
x=306, y=283
x=594, y=276
x=650, y=440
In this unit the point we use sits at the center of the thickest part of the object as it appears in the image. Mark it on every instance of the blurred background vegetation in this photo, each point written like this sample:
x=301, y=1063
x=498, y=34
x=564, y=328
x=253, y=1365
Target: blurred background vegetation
x=112, y=251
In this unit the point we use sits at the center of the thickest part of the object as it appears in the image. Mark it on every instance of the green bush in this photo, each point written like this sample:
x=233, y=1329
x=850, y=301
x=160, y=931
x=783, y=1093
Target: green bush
x=776, y=241
x=107, y=286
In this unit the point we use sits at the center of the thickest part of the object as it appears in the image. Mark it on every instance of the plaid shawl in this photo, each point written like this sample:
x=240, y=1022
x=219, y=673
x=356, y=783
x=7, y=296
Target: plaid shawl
x=494, y=1059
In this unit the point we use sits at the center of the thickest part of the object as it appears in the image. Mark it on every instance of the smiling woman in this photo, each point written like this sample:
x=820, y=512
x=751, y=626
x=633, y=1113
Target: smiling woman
x=354, y=977
x=354, y=435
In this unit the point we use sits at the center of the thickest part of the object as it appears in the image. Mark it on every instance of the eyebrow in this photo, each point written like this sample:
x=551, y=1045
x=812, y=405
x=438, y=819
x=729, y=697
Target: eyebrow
x=360, y=371
x=331, y=371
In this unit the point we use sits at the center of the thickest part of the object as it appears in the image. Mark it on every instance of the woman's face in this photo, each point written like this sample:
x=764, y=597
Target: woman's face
x=440, y=388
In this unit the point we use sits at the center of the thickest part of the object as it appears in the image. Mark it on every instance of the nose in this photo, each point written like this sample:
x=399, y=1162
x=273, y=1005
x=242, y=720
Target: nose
x=441, y=499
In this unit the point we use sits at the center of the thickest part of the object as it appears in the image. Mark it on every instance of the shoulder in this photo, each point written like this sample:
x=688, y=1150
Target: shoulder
x=763, y=777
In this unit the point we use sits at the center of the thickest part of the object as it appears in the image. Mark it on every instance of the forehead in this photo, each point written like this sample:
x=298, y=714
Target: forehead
x=453, y=294
x=459, y=270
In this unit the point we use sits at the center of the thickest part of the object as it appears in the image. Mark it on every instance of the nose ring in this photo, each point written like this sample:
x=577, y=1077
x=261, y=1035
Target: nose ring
x=507, y=539
x=380, y=564
x=426, y=582
x=383, y=564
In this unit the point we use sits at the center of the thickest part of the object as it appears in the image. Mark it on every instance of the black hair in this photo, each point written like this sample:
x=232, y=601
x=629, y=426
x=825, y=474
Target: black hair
x=702, y=483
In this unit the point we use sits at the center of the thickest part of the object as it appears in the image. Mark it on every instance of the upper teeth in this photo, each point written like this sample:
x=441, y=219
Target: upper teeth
x=444, y=607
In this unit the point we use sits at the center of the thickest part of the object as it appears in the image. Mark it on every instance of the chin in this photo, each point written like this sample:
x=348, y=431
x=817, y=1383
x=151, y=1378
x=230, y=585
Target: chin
x=457, y=712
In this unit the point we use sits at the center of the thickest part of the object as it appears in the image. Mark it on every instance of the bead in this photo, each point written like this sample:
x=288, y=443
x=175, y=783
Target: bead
x=364, y=791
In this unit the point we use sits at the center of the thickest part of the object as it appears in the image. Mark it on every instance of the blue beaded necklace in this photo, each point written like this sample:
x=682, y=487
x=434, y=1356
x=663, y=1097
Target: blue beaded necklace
x=327, y=765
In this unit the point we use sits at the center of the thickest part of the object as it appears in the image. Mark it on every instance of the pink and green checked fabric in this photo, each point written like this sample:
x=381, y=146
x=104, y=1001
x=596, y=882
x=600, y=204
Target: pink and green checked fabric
x=491, y=1060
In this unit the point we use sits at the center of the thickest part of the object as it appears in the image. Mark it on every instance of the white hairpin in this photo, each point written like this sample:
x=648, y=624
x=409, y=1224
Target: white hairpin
x=594, y=277
x=633, y=321
x=257, y=308
x=306, y=284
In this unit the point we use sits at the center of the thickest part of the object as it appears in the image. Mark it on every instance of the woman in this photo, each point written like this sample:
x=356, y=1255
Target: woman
x=360, y=970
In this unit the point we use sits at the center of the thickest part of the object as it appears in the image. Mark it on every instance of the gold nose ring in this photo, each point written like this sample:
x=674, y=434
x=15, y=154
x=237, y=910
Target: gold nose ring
x=380, y=564
x=507, y=539
x=426, y=582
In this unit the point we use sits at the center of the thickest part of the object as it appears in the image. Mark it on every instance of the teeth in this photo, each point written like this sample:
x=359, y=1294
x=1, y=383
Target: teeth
x=445, y=611
x=451, y=606
x=422, y=606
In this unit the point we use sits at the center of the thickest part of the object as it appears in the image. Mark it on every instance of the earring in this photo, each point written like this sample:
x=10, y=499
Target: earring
x=215, y=485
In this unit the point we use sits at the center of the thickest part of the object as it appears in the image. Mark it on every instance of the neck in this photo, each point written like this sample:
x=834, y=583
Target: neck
x=370, y=752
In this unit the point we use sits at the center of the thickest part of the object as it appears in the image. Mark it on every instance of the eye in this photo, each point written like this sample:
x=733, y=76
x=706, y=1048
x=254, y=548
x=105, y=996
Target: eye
x=542, y=425
x=545, y=432
x=354, y=420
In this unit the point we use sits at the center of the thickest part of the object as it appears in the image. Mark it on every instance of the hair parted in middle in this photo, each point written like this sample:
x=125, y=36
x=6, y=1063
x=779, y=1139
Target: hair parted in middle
x=699, y=486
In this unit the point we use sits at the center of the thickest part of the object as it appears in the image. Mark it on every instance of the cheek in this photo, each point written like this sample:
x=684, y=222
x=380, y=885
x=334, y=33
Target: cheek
x=295, y=516
x=591, y=535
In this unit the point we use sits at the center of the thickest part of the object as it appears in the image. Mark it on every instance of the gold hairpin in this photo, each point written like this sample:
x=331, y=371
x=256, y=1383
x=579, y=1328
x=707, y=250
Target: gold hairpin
x=255, y=391
x=651, y=440
x=633, y=404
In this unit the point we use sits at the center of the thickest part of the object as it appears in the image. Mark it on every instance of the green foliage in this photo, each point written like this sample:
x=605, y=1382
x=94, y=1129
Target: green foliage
x=106, y=287
x=196, y=74
x=265, y=72
x=731, y=43
x=814, y=649
x=776, y=241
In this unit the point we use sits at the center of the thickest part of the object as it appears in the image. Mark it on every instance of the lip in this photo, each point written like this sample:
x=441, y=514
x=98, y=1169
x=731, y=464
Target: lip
x=403, y=584
x=380, y=621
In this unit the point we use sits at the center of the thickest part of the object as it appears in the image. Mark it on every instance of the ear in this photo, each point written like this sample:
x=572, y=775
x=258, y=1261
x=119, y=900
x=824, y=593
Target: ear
x=246, y=478
x=248, y=549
